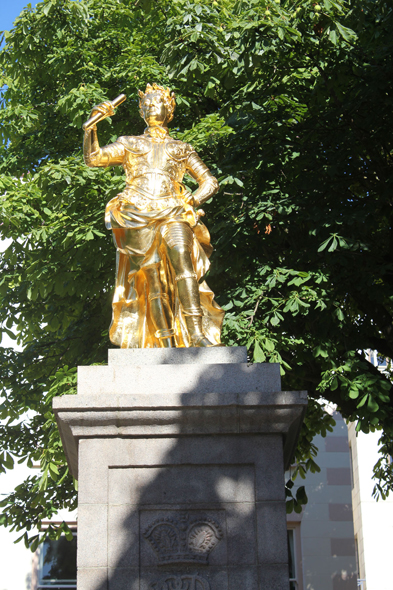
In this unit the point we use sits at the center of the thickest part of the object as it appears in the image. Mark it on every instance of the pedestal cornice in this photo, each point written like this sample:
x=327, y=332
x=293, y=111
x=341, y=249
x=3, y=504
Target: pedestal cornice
x=131, y=416
x=131, y=398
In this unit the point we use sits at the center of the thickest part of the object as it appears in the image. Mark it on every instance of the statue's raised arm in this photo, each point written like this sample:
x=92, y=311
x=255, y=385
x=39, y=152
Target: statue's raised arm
x=160, y=298
x=93, y=155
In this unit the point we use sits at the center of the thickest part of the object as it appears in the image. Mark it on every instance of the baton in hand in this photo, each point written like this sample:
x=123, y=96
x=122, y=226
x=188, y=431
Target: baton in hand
x=100, y=116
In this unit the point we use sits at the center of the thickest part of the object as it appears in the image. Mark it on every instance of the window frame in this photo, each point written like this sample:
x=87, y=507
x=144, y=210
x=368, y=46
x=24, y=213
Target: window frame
x=297, y=581
x=53, y=584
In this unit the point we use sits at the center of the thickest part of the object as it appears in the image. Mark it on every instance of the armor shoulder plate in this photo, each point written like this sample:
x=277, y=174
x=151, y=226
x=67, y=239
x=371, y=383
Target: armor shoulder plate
x=134, y=144
x=178, y=150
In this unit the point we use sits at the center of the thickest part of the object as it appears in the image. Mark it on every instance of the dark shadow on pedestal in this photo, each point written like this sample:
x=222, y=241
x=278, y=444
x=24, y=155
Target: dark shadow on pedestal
x=204, y=517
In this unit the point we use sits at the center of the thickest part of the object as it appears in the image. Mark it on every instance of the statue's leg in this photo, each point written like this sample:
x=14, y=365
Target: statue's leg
x=178, y=238
x=160, y=311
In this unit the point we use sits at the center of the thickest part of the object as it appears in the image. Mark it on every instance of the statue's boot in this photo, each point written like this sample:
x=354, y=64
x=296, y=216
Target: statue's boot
x=197, y=337
x=188, y=290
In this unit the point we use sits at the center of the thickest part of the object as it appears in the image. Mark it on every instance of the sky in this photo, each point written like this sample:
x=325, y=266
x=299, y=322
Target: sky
x=9, y=10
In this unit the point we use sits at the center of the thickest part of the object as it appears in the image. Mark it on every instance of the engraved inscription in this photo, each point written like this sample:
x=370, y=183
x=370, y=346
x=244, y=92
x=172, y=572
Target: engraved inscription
x=189, y=582
x=182, y=539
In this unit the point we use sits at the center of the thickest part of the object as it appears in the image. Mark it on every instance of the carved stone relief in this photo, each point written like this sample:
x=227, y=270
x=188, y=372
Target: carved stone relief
x=183, y=539
x=186, y=582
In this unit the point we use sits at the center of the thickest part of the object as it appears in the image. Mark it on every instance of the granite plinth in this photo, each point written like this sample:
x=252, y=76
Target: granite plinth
x=175, y=356
x=180, y=465
x=154, y=371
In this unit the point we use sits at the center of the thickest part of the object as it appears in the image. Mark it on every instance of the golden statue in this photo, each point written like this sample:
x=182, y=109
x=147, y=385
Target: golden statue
x=162, y=246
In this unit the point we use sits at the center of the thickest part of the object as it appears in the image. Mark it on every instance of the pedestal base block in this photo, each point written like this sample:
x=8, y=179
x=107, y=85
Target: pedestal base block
x=182, y=489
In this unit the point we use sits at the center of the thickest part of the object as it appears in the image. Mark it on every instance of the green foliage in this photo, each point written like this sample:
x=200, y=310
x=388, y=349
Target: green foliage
x=289, y=103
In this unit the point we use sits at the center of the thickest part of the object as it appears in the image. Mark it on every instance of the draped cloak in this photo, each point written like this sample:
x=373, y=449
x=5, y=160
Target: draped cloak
x=138, y=218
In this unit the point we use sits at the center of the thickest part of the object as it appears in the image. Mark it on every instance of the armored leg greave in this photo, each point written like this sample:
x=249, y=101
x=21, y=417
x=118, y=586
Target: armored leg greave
x=179, y=238
x=160, y=311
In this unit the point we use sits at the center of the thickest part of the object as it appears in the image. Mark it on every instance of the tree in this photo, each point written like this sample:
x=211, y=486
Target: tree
x=289, y=104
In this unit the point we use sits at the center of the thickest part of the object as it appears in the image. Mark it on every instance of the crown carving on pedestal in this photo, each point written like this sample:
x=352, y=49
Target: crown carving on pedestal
x=183, y=539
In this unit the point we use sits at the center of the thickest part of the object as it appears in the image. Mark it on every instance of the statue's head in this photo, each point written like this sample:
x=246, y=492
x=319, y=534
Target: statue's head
x=156, y=105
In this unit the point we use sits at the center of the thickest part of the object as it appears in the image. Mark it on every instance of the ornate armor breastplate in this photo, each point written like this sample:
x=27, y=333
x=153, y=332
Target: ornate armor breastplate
x=154, y=169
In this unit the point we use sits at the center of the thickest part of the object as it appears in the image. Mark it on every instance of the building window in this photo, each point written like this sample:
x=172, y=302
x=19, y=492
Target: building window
x=57, y=564
x=378, y=360
x=294, y=558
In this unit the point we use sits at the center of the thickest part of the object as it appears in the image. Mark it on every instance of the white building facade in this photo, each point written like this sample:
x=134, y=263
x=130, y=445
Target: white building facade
x=373, y=521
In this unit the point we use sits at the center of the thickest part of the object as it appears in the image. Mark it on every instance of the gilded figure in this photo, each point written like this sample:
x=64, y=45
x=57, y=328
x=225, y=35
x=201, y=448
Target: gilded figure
x=163, y=248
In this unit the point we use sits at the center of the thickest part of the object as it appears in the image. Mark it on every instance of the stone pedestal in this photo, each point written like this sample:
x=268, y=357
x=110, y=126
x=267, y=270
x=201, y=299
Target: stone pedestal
x=180, y=457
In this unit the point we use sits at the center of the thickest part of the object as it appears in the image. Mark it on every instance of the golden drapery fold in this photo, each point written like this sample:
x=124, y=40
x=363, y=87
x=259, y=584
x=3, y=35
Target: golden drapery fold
x=139, y=242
